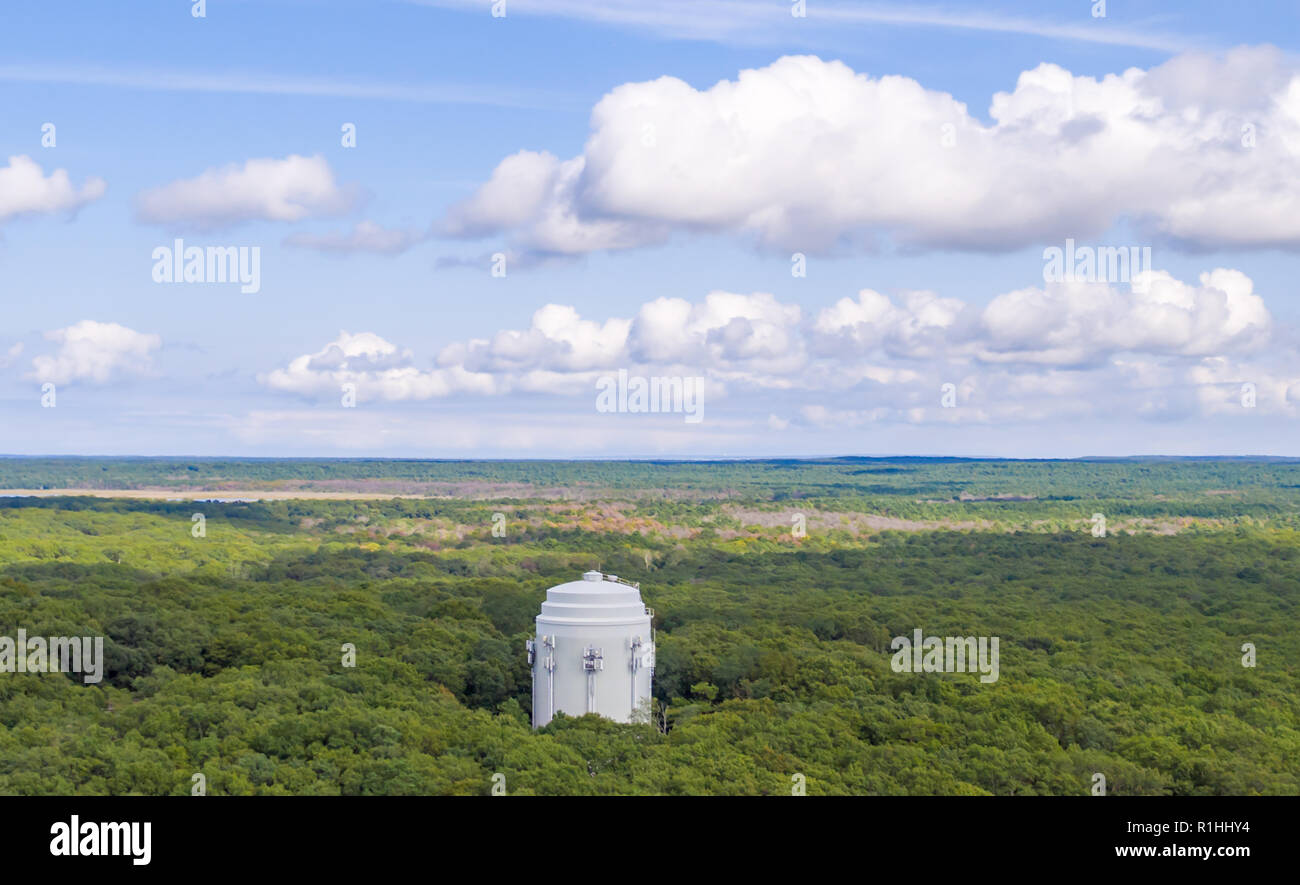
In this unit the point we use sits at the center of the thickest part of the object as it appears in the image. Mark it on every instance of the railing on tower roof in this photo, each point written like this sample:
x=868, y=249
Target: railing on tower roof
x=616, y=579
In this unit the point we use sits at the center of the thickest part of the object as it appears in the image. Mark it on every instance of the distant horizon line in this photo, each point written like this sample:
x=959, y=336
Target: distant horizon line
x=651, y=458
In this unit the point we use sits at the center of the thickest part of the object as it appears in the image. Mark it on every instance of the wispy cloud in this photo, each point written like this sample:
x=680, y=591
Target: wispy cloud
x=735, y=20
x=366, y=236
x=251, y=83
x=1087, y=30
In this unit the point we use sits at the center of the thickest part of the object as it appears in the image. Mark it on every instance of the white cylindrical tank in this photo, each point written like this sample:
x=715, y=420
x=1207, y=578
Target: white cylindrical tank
x=594, y=651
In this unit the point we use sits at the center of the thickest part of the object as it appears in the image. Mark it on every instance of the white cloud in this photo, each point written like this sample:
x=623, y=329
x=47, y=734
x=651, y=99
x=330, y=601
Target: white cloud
x=534, y=195
x=809, y=155
x=919, y=327
x=96, y=352
x=265, y=189
x=725, y=330
x=1028, y=355
x=1062, y=324
x=366, y=236
x=1074, y=323
x=26, y=189
x=557, y=340
x=376, y=369
x=1223, y=386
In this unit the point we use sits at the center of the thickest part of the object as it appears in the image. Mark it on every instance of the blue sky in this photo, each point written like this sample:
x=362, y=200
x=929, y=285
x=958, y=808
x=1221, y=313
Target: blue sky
x=636, y=199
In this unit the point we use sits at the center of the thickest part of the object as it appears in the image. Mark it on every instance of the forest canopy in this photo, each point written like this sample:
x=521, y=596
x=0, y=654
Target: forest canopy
x=1121, y=652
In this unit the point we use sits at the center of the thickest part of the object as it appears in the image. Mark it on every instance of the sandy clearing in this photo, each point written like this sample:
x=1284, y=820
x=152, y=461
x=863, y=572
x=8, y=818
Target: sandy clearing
x=206, y=494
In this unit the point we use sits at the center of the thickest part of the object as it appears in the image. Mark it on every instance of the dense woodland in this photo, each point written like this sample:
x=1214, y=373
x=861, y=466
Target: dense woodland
x=1119, y=654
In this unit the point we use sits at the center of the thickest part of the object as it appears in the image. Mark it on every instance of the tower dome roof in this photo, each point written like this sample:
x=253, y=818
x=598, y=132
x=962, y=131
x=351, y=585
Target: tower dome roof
x=596, y=598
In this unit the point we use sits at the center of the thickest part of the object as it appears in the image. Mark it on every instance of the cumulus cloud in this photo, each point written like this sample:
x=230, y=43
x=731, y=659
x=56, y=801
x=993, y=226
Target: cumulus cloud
x=809, y=155
x=25, y=189
x=1224, y=386
x=375, y=368
x=366, y=236
x=535, y=195
x=920, y=326
x=726, y=330
x=557, y=341
x=265, y=189
x=1062, y=324
x=1030, y=354
x=95, y=352
x=1075, y=323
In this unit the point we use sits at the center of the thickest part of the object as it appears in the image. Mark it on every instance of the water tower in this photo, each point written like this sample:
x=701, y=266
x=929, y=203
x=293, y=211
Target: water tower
x=594, y=651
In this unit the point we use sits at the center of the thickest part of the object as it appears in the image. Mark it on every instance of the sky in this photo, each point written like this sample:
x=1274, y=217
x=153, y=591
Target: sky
x=464, y=228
